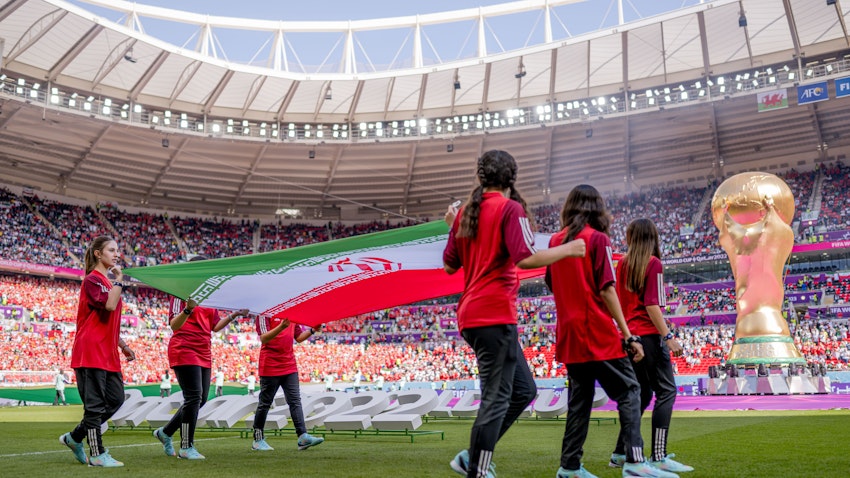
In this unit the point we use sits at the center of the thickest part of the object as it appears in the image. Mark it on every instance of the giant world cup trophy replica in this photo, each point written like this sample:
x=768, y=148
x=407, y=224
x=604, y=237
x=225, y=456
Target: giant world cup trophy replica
x=753, y=212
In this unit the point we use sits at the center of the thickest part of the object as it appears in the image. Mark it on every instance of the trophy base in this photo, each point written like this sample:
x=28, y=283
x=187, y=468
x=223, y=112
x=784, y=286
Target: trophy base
x=765, y=349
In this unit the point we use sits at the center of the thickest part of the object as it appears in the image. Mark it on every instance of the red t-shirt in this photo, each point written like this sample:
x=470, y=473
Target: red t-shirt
x=190, y=345
x=96, y=340
x=586, y=332
x=489, y=272
x=277, y=356
x=634, y=303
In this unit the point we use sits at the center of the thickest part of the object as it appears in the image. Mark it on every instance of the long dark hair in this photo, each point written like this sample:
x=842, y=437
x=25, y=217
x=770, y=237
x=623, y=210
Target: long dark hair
x=97, y=244
x=584, y=206
x=642, y=241
x=497, y=169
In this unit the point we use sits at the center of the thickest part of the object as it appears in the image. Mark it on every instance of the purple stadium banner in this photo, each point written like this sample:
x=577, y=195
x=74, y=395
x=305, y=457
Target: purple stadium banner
x=17, y=266
x=694, y=320
x=804, y=297
x=836, y=235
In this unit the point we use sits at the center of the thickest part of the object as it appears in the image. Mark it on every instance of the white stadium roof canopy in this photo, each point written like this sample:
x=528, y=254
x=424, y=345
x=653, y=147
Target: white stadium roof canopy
x=88, y=106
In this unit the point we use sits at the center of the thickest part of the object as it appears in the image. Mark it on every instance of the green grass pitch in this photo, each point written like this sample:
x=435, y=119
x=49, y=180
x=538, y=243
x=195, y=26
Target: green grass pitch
x=718, y=444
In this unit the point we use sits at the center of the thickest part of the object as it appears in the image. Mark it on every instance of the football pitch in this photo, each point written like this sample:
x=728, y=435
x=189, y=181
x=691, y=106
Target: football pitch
x=716, y=444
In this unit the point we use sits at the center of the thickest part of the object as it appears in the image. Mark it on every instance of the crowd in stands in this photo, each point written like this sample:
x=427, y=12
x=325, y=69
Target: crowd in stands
x=346, y=348
x=681, y=214
x=25, y=237
x=835, y=207
x=215, y=238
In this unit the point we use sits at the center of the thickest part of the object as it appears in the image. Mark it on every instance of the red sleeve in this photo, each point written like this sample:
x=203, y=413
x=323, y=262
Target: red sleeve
x=262, y=324
x=653, y=293
x=175, y=307
x=296, y=330
x=214, y=318
x=516, y=230
x=451, y=257
x=96, y=292
x=601, y=256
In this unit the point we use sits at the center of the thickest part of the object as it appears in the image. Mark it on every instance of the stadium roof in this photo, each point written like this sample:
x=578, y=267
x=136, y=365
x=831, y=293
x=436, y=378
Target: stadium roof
x=54, y=48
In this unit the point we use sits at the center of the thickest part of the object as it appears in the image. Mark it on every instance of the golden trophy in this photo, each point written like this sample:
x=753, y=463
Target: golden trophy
x=753, y=212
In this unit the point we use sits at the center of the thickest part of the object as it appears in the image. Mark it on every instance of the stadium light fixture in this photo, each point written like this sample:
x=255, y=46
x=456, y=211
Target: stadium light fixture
x=329, y=94
x=450, y=148
x=457, y=83
x=742, y=20
x=829, y=68
x=830, y=2
x=311, y=154
x=521, y=71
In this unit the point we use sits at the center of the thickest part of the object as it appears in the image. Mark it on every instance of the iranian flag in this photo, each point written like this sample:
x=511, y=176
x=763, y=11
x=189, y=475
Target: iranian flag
x=323, y=282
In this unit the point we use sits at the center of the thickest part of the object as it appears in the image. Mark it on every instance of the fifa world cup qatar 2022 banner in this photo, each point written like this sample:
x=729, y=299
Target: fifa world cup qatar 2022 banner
x=336, y=410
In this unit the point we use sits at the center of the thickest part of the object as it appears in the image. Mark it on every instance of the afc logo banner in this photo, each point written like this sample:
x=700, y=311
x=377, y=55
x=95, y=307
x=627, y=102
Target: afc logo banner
x=812, y=93
x=842, y=87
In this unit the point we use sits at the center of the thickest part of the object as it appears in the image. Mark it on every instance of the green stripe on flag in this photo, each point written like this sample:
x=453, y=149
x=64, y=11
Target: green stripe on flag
x=202, y=278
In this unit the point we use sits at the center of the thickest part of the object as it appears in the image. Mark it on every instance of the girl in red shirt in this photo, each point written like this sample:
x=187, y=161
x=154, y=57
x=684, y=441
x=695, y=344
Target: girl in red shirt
x=190, y=356
x=489, y=238
x=278, y=369
x=95, y=358
x=588, y=341
x=640, y=287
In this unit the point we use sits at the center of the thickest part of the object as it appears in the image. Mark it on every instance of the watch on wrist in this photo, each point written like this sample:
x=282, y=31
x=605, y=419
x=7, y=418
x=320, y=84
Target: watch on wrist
x=115, y=283
x=667, y=337
x=187, y=311
x=633, y=339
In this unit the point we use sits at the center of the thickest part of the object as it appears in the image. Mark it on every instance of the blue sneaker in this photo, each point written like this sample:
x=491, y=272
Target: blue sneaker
x=645, y=469
x=580, y=473
x=617, y=460
x=306, y=440
x=167, y=444
x=105, y=460
x=671, y=465
x=190, y=454
x=77, y=448
x=460, y=464
x=261, y=445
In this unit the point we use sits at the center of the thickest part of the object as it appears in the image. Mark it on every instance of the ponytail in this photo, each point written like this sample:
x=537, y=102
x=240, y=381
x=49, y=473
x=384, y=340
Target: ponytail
x=96, y=245
x=471, y=211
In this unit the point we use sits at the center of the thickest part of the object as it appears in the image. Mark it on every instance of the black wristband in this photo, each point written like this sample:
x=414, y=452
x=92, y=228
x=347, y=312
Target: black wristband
x=115, y=283
x=667, y=337
x=633, y=339
x=187, y=311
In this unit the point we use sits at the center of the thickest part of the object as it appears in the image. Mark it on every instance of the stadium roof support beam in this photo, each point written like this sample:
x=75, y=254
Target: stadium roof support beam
x=482, y=35
x=746, y=35
x=151, y=71
x=411, y=161
x=390, y=88
x=256, y=86
x=421, y=103
x=165, y=169
x=839, y=14
x=10, y=8
x=112, y=59
x=87, y=152
x=277, y=56
x=34, y=33
x=320, y=101
x=355, y=100
x=703, y=40
x=547, y=184
x=330, y=178
x=795, y=36
x=715, y=143
x=417, y=44
x=349, y=64
x=822, y=147
x=486, y=93
x=284, y=104
x=219, y=88
x=75, y=51
x=184, y=80
x=248, y=175
x=7, y=116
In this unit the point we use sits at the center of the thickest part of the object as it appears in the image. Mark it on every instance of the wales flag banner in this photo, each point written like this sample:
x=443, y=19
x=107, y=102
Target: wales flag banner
x=322, y=282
